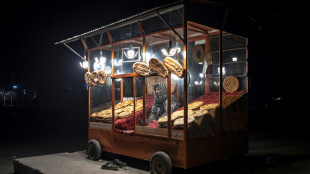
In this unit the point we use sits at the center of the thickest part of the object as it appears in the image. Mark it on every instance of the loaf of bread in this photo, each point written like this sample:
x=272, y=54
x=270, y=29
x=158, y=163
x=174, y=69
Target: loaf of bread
x=141, y=68
x=158, y=67
x=174, y=66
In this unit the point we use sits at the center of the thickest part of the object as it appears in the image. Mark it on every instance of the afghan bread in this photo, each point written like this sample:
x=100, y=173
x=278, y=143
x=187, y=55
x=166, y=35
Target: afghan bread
x=209, y=106
x=195, y=105
x=88, y=79
x=180, y=121
x=102, y=77
x=94, y=78
x=199, y=113
x=231, y=84
x=158, y=67
x=163, y=119
x=141, y=68
x=174, y=66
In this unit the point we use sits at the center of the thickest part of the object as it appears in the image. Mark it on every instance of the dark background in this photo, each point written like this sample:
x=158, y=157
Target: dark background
x=29, y=59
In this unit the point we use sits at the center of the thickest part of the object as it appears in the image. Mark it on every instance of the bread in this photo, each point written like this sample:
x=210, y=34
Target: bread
x=231, y=84
x=195, y=105
x=88, y=79
x=141, y=68
x=209, y=106
x=158, y=67
x=102, y=77
x=179, y=123
x=174, y=66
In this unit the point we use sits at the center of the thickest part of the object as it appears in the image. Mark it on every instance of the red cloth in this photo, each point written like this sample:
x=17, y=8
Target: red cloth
x=127, y=123
x=211, y=97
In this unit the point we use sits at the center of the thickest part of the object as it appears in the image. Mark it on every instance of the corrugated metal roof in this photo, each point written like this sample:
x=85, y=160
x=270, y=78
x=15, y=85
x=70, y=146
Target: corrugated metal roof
x=134, y=18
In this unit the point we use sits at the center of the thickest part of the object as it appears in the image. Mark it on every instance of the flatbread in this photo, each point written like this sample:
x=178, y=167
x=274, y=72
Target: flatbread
x=195, y=105
x=231, y=84
x=141, y=68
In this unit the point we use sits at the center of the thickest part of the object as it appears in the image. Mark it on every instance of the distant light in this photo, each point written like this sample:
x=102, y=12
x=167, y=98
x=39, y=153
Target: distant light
x=201, y=75
x=234, y=59
x=184, y=53
x=196, y=82
x=15, y=86
x=131, y=54
x=200, y=82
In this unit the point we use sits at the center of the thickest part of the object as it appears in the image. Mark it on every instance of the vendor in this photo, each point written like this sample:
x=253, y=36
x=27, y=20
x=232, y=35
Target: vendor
x=159, y=107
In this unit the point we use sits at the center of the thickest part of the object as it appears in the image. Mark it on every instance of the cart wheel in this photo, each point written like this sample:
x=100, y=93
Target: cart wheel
x=93, y=150
x=161, y=163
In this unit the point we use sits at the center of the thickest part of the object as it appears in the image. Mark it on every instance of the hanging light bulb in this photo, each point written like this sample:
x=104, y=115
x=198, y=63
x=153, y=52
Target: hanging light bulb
x=84, y=64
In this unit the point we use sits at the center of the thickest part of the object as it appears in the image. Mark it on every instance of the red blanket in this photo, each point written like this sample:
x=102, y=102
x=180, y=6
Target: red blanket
x=127, y=123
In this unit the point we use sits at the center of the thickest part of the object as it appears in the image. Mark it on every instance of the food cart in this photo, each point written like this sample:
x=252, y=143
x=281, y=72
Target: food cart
x=210, y=94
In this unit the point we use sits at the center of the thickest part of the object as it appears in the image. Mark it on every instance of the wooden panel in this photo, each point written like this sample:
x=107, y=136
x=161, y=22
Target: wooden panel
x=139, y=146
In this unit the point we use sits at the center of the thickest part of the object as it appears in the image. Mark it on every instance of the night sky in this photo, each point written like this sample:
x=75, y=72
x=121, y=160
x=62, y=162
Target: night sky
x=30, y=59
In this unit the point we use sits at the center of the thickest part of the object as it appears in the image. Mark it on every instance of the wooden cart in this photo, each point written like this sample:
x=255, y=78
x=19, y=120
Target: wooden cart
x=208, y=56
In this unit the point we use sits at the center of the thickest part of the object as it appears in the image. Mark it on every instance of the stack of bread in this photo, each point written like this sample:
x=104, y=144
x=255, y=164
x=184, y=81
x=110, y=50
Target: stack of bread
x=122, y=110
x=196, y=110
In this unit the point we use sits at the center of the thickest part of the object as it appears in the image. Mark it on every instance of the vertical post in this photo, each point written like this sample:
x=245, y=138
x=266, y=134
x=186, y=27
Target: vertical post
x=246, y=66
x=113, y=89
x=169, y=105
x=143, y=50
x=144, y=103
x=88, y=88
x=134, y=103
x=207, y=74
x=185, y=72
x=221, y=75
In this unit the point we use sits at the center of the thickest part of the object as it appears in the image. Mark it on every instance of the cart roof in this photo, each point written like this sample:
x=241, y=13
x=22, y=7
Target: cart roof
x=126, y=21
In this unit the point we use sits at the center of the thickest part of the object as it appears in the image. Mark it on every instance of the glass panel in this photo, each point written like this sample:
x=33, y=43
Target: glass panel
x=124, y=104
x=101, y=60
x=126, y=54
x=101, y=95
x=126, y=32
x=174, y=18
x=234, y=80
x=100, y=105
x=203, y=80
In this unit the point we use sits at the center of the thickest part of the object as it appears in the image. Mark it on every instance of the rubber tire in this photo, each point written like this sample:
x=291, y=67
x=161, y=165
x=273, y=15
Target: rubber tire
x=160, y=163
x=94, y=150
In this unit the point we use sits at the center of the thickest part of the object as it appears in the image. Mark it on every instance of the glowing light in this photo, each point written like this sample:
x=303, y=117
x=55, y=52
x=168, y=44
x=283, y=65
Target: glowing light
x=15, y=86
x=184, y=53
x=223, y=70
x=196, y=82
x=174, y=77
x=234, y=59
x=84, y=64
x=201, y=75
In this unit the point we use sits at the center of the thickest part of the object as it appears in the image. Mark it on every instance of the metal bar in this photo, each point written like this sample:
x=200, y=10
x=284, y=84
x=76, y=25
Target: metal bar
x=113, y=90
x=207, y=74
x=134, y=103
x=158, y=14
x=110, y=37
x=185, y=75
x=144, y=108
x=221, y=77
x=247, y=67
x=126, y=40
x=74, y=51
x=140, y=28
x=169, y=105
x=88, y=90
x=84, y=44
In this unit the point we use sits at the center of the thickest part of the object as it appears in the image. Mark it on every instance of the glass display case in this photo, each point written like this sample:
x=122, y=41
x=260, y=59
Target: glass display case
x=193, y=115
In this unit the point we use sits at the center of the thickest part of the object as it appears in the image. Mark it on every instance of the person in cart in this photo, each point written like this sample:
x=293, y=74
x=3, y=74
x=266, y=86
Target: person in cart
x=159, y=107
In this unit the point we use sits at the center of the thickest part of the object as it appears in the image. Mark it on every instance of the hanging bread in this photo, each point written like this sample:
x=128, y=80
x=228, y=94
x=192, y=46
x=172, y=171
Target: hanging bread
x=231, y=84
x=141, y=68
x=158, y=67
x=174, y=66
